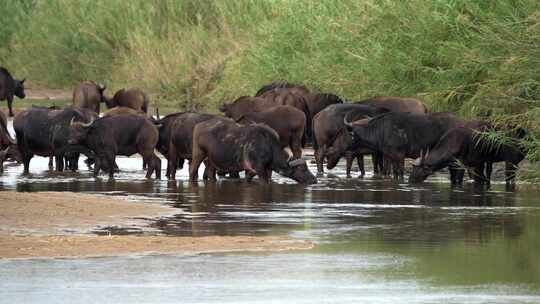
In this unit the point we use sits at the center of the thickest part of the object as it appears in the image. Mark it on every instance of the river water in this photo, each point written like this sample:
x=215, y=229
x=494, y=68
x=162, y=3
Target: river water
x=376, y=241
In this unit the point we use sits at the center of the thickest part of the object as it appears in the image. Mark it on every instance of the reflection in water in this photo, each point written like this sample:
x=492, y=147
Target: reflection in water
x=448, y=236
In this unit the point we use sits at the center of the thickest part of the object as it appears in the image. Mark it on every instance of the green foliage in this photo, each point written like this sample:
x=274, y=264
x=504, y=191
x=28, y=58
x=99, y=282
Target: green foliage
x=474, y=57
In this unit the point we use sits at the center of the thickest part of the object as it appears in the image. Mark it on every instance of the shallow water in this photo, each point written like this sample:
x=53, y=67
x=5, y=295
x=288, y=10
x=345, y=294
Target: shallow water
x=376, y=241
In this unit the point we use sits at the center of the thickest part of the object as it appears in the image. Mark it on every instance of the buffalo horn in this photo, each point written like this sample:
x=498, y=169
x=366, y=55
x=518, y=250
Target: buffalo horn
x=346, y=122
x=82, y=124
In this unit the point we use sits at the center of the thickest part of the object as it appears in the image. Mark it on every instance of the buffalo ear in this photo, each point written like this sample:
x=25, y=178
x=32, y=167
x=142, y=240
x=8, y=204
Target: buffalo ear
x=22, y=81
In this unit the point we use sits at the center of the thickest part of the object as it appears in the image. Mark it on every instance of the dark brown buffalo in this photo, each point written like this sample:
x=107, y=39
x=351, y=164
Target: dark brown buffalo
x=474, y=151
x=164, y=127
x=45, y=132
x=131, y=98
x=288, y=122
x=284, y=97
x=328, y=123
x=294, y=88
x=338, y=148
x=399, y=135
x=10, y=87
x=89, y=95
x=180, y=144
x=318, y=102
x=230, y=147
x=245, y=104
x=397, y=104
x=118, y=135
x=343, y=139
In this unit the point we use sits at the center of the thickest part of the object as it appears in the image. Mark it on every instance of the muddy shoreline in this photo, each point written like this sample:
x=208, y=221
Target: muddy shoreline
x=59, y=224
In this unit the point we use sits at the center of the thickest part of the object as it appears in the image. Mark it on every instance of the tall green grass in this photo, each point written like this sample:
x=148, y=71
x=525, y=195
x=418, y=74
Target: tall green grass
x=474, y=57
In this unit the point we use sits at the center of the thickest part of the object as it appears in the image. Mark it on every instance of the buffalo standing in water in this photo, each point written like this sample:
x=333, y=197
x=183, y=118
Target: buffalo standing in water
x=230, y=147
x=44, y=132
x=89, y=95
x=468, y=146
x=118, y=135
x=288, y=122
x=10, y=87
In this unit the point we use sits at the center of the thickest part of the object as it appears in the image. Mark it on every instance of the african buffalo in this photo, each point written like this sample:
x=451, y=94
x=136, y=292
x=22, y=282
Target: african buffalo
x=229, y=146
x=288, y=122
x=45, y=132
x=284, y=97
x=10, y=87
x=399, y=135
x=278, y=84
x=328, y=123
x=338, y=148
x=88, y=95
x=118, y=135
x=180, y=142
x=246, y=104
x=396, y=104
x=474, y=151
x=131, y=98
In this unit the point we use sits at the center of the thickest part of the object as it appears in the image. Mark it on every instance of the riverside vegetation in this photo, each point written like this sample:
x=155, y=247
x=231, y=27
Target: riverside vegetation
x=480, y=59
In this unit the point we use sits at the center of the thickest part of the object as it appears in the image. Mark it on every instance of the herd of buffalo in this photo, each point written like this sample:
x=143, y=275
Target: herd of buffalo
x=257, y=135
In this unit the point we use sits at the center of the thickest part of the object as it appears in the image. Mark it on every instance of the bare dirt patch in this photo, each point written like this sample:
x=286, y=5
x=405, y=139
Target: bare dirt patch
x=46, y=213
x=55, y=224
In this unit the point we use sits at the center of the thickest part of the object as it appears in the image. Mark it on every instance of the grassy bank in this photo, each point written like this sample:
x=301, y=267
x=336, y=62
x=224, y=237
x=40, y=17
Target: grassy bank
x=477, y=58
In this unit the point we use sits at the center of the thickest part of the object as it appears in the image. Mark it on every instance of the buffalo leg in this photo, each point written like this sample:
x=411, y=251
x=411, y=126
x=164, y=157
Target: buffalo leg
x=349, y=157
x=296, y=145
x=111, y=163
x=489, y=170
x=319, y=158
x=97, y=165
x=172, y=162
x=510, y=173
x=59, y=161
x=360, y=162
x=10, y=102
x=456, y=174
x=209, y=171
x=51, y=165
x=478, y=174
x=375, y=162
x=26, y=164
x=196, y=160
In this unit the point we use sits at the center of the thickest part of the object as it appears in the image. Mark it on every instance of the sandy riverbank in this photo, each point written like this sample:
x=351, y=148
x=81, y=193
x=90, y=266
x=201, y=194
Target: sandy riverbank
x=57, y=224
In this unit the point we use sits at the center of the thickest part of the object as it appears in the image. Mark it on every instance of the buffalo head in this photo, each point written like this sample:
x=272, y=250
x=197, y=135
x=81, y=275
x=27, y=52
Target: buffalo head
x=19, y=88
x=78, y=131
x=338, y=148
x=297, y=169
x=420, y=170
